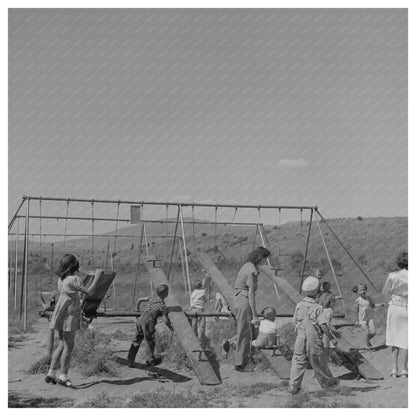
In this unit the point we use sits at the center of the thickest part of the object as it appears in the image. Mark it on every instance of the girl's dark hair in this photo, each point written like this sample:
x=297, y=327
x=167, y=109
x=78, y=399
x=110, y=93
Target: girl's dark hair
x=402, y=260
x=68, y=264
x=198, y=284
x=162, y=289
x=257, y=255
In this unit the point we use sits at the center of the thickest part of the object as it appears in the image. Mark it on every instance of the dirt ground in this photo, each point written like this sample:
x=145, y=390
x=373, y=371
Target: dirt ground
x=384, y=393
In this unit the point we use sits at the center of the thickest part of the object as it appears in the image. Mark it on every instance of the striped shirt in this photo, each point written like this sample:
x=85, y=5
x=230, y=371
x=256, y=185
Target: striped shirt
x=154, y=308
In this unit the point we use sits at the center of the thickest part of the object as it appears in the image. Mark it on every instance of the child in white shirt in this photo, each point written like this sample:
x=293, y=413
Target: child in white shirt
x=198, y=299
x=268, y=329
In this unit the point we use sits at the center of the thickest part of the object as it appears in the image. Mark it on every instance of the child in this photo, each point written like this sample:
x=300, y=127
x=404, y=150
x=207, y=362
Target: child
x=221, y=306
x=328, y=312
x=326, y=296
x=198, y=299
x=364, y=309
x=66, y=319
x=311, y=322
x=268, y=330
x=146, y=325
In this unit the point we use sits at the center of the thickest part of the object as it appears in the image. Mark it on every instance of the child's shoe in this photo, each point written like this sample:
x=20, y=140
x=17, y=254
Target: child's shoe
x=50, y=380
x=394, y=374
x=154, y=362
x=404, y=373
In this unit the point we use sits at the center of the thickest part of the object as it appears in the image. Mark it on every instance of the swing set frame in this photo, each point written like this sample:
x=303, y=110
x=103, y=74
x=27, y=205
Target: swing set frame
x=14, y=231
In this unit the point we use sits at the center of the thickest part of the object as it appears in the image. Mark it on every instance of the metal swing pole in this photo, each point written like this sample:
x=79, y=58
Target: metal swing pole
x=16, y=213
x=268, y=261
x=25, y=267
x=306, y=252
x=183, y=269
x=92, y=233
x=173, y=244
x=346, y=250
x=255, y=236
x=330, y=262
x=185, y=250
x=114, y=249
x=138, y=266
x=15, y=265
x=10, y=263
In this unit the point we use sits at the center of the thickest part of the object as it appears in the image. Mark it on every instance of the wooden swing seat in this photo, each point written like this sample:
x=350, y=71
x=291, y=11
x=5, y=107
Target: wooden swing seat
x=98, y=283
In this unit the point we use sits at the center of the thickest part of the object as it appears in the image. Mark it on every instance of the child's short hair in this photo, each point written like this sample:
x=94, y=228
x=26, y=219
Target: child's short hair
x=326, y=284
x=362, y=286
x=269, y=313
x=198, y=285
x=68, y=264
x=162, y=290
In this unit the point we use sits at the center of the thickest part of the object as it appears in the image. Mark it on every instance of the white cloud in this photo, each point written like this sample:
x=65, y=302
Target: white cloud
x=292, y=163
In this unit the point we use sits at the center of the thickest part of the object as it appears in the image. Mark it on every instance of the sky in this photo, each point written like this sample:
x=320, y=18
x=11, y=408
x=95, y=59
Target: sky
x=249, y=106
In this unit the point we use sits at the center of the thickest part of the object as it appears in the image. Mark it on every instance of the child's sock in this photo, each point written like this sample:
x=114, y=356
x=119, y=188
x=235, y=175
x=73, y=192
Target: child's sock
x=63, y=377
x=51, y=373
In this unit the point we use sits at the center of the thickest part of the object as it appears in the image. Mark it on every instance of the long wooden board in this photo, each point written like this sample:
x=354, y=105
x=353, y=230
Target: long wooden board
x=278, y=363
x=364, y=367
x=201, y=363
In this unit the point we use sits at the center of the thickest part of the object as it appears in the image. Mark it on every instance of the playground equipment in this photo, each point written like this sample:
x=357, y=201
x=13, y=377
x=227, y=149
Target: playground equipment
x=206, y=373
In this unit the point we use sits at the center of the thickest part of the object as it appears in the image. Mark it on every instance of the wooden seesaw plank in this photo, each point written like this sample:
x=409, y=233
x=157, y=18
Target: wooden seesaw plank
x=200, y=362
x=280, y=365
x=364, y=367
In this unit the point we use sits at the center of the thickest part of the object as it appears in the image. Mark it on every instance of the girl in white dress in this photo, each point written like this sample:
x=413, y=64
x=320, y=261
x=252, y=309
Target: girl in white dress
x=396, y=290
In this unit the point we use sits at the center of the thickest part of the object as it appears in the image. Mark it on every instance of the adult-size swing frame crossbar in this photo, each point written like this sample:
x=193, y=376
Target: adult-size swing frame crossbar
x=201, y=222
x=179, y=206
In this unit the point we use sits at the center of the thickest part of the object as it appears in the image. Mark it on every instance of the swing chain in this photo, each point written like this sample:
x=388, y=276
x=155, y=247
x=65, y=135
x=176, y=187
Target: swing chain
x=40, y=227
x=66, y=221
x=92, y=233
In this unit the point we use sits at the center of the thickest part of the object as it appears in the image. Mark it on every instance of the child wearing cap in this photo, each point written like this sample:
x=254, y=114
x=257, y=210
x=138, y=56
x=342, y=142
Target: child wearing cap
x=311, y=324
x=146, y=326
x=364, y=310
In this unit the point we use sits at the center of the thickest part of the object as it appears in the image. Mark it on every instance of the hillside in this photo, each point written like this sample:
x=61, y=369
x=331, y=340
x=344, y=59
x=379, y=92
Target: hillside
x=373, y=242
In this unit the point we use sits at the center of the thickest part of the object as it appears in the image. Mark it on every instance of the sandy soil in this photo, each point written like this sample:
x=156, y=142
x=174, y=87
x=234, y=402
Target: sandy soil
x=385, y=393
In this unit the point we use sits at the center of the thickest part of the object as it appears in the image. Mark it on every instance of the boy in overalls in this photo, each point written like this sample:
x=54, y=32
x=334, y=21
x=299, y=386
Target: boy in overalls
x=311, y=324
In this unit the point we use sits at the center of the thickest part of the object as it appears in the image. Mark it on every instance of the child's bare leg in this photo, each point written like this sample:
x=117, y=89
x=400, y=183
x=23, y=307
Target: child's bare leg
x=56, y=356
x=371, y=330
x=406, y=356
x=69, y=341
x=366, y=330
x=395, y=357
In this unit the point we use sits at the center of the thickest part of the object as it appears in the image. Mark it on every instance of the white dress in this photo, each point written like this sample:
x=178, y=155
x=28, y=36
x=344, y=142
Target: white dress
x=396, y=288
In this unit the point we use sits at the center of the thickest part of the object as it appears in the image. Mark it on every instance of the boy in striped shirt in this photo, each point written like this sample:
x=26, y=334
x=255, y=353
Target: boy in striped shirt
x=146, y=326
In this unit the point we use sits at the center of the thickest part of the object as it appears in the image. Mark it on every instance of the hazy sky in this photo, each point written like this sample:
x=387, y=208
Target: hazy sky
x=270, y=106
